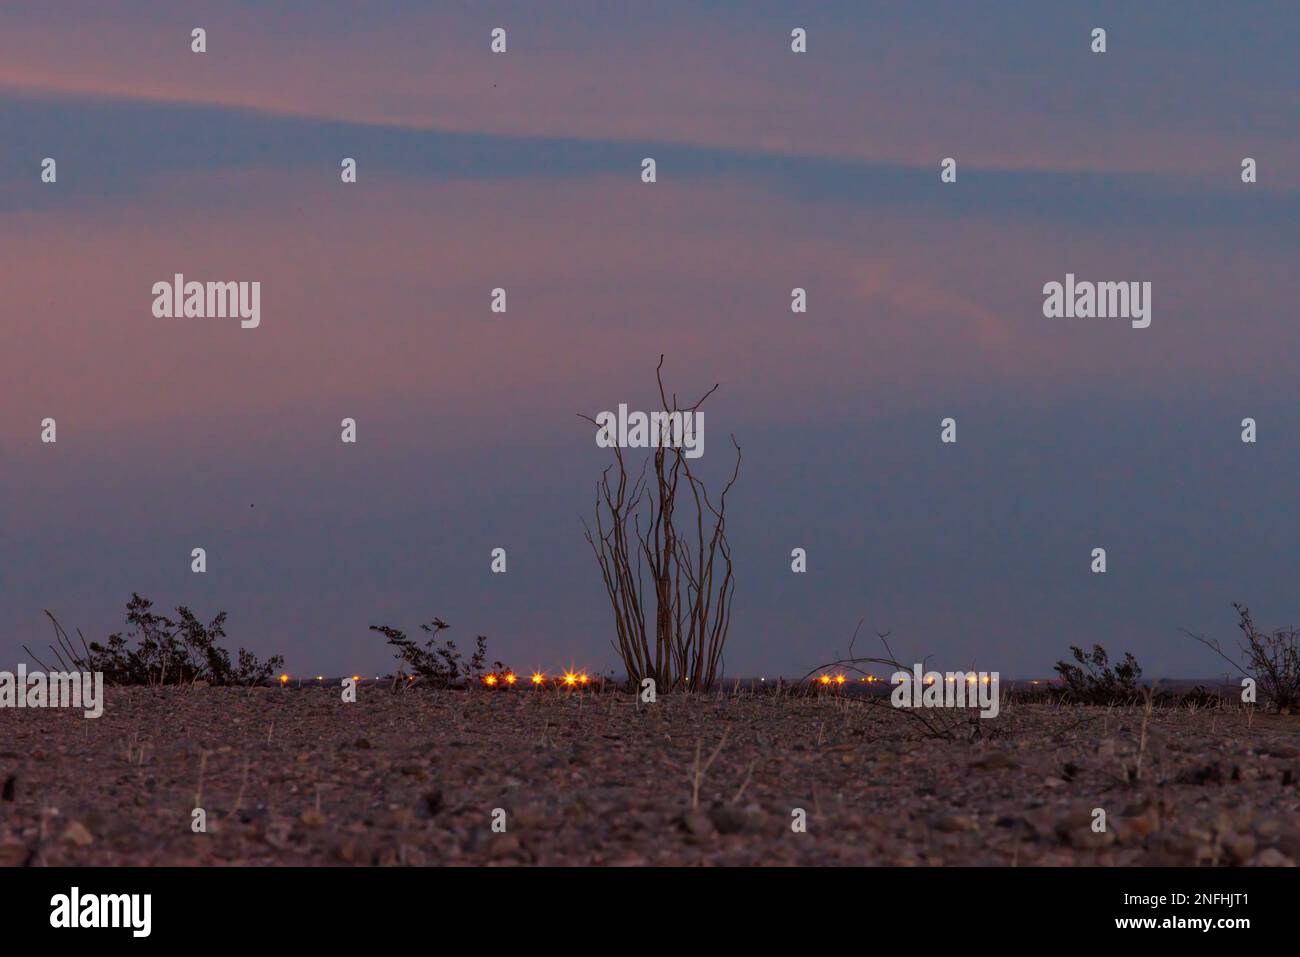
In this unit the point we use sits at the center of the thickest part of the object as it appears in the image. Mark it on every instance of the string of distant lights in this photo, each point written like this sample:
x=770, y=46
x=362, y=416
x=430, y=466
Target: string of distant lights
x=493, y=679
x=576, y=679
x=840, y=679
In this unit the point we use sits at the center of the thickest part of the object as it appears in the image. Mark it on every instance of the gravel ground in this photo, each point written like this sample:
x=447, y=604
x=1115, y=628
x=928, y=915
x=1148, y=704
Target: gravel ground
x=296, y=776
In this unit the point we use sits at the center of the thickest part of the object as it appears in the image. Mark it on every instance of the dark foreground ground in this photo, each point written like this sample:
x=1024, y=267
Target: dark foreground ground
x=292, y=776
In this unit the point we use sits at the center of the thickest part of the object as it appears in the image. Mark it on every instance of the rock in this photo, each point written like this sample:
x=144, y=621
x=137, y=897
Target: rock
x=78, y=834
x=1206, y=774
x=434, y=803
x=728, y=819
x=1137, y=827
x=698, y=823
x=411, y=856
x=1279, y=751
x=1239, y=847
x=532, y=817
x=399, y=818
x=312, y=818
x=994, y=761
x=13, y=854
x=1288, y=842
x=276, y=833
x=353, y=851
x=248, y=815
x=952, y=823
x=1270, y=857
x=1076, y=830
x=504, y=845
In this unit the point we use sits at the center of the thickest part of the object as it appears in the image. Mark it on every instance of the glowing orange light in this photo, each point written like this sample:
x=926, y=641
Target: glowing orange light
x=538, y=677
x=986, y=679
x=570, y=678
x=356, y=677
x=970, y=679
x=510, y=678
x=839, y=679
x=490, y=680
x=284, y=679
x=583, y=678
x=825, y=679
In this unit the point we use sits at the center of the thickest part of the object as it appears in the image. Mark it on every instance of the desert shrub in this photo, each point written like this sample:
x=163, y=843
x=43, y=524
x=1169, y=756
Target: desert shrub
x=1090, y=679
x=665, y=559
x=158, y=650
x=1273, y=660
x=439, y=666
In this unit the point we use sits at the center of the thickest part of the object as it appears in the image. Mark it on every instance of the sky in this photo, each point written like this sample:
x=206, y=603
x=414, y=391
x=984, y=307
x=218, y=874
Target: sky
x=775, y=170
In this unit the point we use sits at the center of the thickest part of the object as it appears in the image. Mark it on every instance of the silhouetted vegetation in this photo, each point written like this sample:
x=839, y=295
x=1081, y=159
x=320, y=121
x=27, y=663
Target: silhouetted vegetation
x=159, y=650
x=439, y=666
x=1090, y=679
x=665, y=561
x=1272, y=660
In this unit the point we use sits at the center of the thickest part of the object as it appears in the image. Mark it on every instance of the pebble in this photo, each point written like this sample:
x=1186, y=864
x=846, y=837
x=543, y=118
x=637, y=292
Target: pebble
x=78, y=834
x=698, y=823
x=1270, y=857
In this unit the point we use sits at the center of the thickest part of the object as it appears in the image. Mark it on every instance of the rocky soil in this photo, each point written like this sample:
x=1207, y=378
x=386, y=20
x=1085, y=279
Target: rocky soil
x=297, y=776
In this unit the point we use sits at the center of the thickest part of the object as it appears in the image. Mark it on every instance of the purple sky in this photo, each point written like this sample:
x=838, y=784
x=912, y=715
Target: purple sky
x=775, y=170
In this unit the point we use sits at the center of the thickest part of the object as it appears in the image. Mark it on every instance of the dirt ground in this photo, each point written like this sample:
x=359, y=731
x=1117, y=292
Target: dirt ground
x=297, y=776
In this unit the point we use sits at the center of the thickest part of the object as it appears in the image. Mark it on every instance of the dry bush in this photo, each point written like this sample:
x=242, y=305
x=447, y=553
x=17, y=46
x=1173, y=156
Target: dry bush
x=439, y=666
x=1092, y=680
x=661, y=545
x=158, y=650
x=1272, y=660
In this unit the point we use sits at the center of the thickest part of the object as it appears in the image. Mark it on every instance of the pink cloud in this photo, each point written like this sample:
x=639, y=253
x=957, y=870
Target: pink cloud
x=707, y=85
